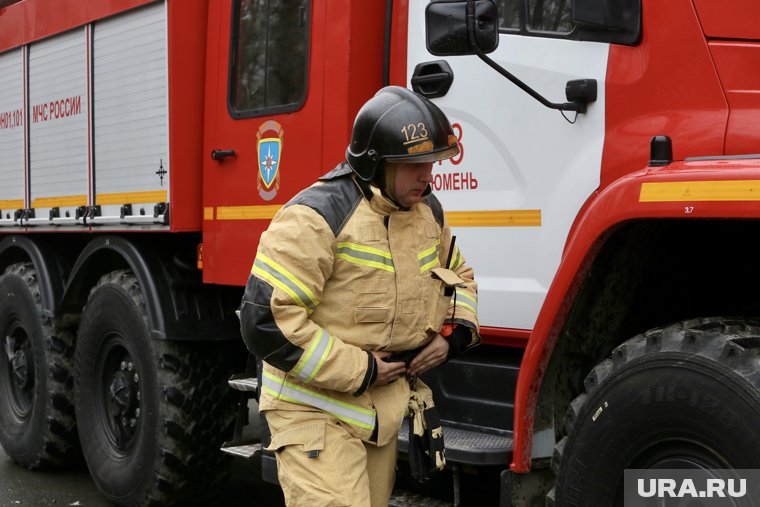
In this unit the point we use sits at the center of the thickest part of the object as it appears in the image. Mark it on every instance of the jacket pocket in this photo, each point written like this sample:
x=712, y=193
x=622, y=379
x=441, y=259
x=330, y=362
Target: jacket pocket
x=442, y=283
x=364, y=315
x=307, y=437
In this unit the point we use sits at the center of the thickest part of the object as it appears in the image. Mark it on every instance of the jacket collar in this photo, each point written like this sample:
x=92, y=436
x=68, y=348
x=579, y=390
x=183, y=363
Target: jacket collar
x=380, y=203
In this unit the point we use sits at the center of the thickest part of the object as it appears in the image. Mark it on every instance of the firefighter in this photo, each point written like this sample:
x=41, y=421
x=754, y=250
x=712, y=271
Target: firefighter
x=351, y=274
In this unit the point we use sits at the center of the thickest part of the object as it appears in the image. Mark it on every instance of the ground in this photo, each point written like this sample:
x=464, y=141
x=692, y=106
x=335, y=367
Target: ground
x=19, y=486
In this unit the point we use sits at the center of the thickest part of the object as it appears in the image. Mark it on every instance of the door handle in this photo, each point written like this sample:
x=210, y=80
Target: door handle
x=221, y=154
x=432, y=79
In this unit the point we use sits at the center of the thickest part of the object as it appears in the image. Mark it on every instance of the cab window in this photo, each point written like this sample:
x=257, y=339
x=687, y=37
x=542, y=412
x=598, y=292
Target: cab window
x=268, y=57
x=509, y=14
x=551, y=18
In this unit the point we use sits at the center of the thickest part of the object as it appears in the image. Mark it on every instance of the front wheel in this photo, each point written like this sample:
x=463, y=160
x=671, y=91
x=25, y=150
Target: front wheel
x=686, y=396
x=152, y=413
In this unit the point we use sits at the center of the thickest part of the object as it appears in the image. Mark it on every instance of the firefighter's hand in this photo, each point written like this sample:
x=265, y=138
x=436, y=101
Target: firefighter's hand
x=387, y=372
x=431, y=356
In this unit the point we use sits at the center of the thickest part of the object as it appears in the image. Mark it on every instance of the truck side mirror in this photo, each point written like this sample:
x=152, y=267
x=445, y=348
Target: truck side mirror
x=616, y=21
x=446, y=27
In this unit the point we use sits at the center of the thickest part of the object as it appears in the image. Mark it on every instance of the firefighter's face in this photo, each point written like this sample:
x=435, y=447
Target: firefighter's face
x=410, y=182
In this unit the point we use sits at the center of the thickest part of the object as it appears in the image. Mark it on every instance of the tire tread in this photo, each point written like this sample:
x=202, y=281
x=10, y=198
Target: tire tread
x=196, y=414
x=60, y=444
x=729, y=340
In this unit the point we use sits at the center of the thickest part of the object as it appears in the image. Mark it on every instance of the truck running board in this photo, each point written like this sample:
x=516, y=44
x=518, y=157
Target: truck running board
x=243, y=382
x=469, y=447
x=242, y=449
x=462, y=446
x=406, y=499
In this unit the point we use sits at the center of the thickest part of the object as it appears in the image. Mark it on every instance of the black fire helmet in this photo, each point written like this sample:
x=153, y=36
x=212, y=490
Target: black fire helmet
x=398, y=125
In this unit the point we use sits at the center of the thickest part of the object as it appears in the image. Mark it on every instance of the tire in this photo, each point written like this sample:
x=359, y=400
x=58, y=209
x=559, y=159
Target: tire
x=37, y=425
x=682, y=396
x=156, y=439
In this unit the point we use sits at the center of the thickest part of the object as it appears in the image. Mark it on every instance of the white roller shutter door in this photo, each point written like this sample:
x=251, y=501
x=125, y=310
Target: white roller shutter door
x=131, y=125
x=58, y=124
x=11, y=134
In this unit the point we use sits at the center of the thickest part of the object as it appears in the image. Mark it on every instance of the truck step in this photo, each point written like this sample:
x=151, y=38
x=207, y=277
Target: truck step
x=481, y=446
x=407, y=499
x=242, y=449
x=243, y=382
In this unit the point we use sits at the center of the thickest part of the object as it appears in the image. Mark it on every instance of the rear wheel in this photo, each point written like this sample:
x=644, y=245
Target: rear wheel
x=37, y=426
x=153, y=413
x=680, y=397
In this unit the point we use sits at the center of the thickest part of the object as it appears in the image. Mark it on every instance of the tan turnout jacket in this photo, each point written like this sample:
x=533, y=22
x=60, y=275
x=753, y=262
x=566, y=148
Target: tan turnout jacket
x=338, y=274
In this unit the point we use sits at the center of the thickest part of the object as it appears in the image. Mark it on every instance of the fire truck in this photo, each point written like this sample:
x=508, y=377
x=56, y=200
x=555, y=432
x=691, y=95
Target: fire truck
x=606, y=194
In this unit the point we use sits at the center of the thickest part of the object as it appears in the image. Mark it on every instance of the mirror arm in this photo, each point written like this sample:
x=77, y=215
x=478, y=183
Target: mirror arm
x=579, y=107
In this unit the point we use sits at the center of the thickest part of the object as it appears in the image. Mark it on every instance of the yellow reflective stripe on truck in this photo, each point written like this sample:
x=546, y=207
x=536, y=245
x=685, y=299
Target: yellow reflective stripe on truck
x=131, y=197
x=688, y=191
x=265, y=212
x=491, y=218
x=60, y=201
x=496, y=218
x=118, y=198
x=13, y=204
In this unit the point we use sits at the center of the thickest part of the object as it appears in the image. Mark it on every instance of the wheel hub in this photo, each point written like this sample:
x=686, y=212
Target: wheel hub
x=19, y=370
x=122, y=392
x=124, y=398
x=20, y=367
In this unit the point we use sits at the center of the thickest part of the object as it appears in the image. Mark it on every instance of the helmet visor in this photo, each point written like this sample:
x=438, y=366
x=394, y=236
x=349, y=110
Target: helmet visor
x=420, y=157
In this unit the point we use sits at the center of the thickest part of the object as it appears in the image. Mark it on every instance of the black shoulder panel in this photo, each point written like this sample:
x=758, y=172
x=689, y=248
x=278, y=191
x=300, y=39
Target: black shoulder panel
x=259, y=330
x=435, y=205
x=341, y=169
x=335, y=199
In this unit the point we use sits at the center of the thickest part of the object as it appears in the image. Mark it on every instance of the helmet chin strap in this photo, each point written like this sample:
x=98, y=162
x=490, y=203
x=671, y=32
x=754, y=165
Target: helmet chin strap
x=389, y=174
x=385, y=179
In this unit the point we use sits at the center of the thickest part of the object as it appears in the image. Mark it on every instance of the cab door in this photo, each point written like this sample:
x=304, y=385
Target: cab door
x=263, y=111
x=525, y=170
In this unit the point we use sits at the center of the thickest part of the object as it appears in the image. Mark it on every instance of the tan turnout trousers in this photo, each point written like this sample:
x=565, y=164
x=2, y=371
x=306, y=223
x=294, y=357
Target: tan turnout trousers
x=319, y=462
